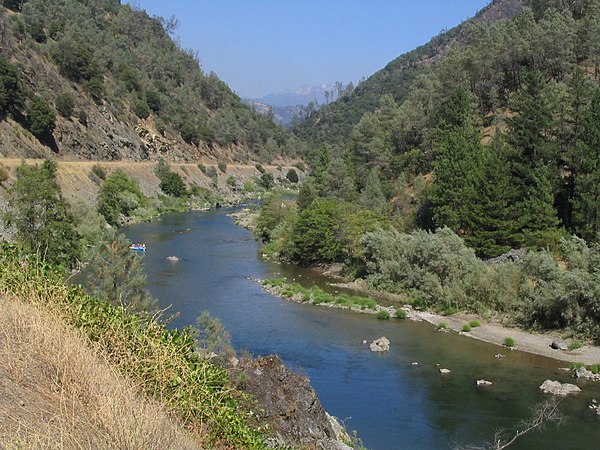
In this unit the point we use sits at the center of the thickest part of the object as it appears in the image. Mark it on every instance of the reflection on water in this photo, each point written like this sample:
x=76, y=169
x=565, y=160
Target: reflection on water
x=391, y=403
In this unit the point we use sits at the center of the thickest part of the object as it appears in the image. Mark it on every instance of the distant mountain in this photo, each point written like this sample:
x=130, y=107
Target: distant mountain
x=281, y=115
x=303, y=95
x=333, y=123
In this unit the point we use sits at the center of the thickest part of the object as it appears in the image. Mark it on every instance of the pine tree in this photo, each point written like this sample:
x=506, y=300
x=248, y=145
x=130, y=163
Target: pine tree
x=116, y=275
x=586, y=168
x=372, y=196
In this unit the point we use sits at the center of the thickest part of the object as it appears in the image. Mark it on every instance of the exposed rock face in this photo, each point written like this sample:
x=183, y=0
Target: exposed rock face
x=380, y=345
x=557, y=388
x=289, y=405
x=511, y=256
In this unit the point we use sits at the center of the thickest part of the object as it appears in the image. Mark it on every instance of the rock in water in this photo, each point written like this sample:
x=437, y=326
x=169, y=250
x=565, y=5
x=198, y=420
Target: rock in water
x=173, y=258
x=557, y=388
x=484, y=383
x=559, y=344
x=582, y=372
x=445, y=371
x=380, y=345
x=289, y=405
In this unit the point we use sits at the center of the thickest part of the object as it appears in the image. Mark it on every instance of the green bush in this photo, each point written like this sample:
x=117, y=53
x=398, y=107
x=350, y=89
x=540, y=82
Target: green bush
x=41, y=118
x=64, y=104
x=260, y=168
x=442, y=326
x=211, y=172
x=400, y=314
x=119, y=194
x=140, y=108
x=383, y=315
x=82, y=118
x=266, y=181
x=474, y=323
x=509, y=342
x=172, y=184
x=292, y=176
x=222, y=166
x=575, y=345
x=202, y=167
x=466, y=328
x=231, y=181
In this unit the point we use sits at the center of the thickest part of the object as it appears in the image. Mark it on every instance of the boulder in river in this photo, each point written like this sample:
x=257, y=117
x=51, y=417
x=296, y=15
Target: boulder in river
x=484, y=383
x=380, y=345
x=173, y=258
x=582, y=372
x=445, y=371
x=559, y=344
x=557, y=388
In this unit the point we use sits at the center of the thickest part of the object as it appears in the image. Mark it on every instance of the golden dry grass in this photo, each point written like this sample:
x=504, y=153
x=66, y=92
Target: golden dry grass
x=56, y=392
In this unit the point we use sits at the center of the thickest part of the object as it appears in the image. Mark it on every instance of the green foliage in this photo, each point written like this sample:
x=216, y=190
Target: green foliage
x=64, y=104
x=509, y=342
x=474, y=323
x=163, y=364
x=172, y=184
x=383, y=315
x=292, y=176
x=99, y=171
x=140, y=108
x=213, y=337
x=82, y=118
x=118, y=195
x=466, y=327
x=442, y=326
x=116, y=275
x=10, y=90
x=222, y=166
x=266, y=181
x=211, y=172
x=575, y=345
x=41, y=118
x=41, y=216
x=231, y=181
x=400, y=314
x=202, y=167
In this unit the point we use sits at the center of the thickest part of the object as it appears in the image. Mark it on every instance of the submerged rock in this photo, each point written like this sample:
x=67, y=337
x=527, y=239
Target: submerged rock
x=484, y=383
x=557, y=388
x=445, y=371
x=173, y=258
x=380, y=345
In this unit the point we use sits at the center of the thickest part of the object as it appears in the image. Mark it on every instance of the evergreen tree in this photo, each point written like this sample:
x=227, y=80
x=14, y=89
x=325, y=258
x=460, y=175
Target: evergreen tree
x=372, y=196
x=586, y=168
x=41, y=216
x=116, y=275
x=338, y=181
x=308, y=193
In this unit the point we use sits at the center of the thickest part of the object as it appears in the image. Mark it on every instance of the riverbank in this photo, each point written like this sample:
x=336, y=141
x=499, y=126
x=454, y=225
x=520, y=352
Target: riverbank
x=487, y=331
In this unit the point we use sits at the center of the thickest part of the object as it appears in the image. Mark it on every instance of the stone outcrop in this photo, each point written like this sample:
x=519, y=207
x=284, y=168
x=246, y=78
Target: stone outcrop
x=559, y=344
x=582, y=372
x=380, y=345
x=557, y=388
x=289, y=405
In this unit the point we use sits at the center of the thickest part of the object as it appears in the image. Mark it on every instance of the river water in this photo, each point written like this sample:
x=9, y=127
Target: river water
x=388, y=401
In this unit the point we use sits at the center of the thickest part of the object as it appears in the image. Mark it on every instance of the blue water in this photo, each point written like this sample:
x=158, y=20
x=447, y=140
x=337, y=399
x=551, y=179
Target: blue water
x=389, y=402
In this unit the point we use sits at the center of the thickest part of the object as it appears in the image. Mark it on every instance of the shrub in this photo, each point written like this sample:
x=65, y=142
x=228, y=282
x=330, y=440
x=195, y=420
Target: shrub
x=231, y=181
x=400, y=314
x=172, y=184
x=202, y=167
x=509, y=342
x=266, y=181
x=222, y=166
x=64, y=104
x=595, y=368
x=383, y=315
x=292, y=176
x=300, y=166
x=140, y=108
x=82, y=117
x=99, y=171
x=466, y=328
x=575, y=345
x=442, y=326
x=474, y=323
x=260, y=168
x=119, y=194
x=211, y=172
x=3, y=174
x=41, y=118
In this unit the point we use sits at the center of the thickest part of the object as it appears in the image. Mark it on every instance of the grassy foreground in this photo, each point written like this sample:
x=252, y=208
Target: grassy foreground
x=164, y=367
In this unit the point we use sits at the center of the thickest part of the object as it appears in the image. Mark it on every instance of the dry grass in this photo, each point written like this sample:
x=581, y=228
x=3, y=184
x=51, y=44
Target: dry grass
x=57, y=393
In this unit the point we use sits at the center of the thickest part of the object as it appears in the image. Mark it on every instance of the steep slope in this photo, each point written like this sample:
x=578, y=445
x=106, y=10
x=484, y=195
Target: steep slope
x=95, y=79
x=332, y=123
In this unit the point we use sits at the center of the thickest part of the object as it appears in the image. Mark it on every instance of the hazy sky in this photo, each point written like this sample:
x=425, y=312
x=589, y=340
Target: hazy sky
x=265, y=46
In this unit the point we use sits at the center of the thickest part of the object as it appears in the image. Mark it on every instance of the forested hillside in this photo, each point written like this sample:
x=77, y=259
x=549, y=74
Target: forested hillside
x=332, y=123
x=494, y=147
x=100, y=80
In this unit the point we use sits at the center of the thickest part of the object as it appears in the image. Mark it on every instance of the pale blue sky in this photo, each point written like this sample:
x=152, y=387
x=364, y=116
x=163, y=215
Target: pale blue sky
x=265, y=46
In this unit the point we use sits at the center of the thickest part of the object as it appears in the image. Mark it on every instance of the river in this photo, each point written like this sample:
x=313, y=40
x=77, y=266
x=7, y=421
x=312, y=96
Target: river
x=388, y=401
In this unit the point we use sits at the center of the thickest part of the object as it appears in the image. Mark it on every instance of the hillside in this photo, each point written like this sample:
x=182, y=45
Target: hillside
x=98, y=80
x=333, y=123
